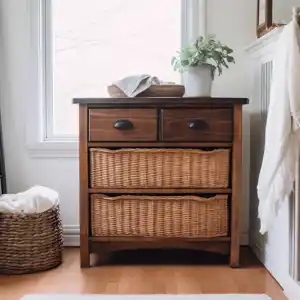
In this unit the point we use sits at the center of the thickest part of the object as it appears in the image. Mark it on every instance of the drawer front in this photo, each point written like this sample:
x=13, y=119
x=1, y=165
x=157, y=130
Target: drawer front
x=159, y=216
x=122, y=125
x=159, y=168
x=197, y=125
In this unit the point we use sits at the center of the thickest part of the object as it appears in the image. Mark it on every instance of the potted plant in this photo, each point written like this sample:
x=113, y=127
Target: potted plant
x=199, y=62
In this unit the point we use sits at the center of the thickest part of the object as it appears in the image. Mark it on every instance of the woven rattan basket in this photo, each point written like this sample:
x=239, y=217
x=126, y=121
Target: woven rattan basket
x=159, y=168
x=30, y=243
x=159, y=216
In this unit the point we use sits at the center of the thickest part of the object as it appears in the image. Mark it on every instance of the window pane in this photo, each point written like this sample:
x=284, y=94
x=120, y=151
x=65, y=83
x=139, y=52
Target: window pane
x=96, y=42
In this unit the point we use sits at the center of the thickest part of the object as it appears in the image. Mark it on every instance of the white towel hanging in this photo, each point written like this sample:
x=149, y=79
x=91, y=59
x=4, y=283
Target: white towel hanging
x=277, y=173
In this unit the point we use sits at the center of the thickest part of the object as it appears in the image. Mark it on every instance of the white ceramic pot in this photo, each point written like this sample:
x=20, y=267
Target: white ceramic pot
x=198, y=81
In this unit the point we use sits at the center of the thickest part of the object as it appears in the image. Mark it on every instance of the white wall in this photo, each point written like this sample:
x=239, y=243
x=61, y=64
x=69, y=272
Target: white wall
x=234, y=23
x=24, y=171
x=282, y=10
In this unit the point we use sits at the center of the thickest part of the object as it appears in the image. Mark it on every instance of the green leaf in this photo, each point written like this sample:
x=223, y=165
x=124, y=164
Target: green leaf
x=216, y=56
x=185, y=62
x=206, y=50
x=224, y=63
x=230, y=59
x=228, y=50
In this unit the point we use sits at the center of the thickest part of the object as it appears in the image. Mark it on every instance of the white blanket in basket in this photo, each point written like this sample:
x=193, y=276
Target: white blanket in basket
x=34, y=200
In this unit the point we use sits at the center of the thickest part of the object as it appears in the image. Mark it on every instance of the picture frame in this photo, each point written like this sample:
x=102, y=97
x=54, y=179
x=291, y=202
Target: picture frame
x=264, y=17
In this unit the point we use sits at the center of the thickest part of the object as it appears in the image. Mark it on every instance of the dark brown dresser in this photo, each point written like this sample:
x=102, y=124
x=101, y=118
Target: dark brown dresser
x=160, y=173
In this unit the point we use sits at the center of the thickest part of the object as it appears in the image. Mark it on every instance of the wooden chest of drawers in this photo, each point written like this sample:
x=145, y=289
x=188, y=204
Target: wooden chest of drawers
x=160, y=172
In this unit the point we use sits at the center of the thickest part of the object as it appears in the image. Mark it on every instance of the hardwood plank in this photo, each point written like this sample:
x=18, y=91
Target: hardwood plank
x=143, y=273
x=158, y=191
x=236, y=197
x=84, y=196
x=196, y=145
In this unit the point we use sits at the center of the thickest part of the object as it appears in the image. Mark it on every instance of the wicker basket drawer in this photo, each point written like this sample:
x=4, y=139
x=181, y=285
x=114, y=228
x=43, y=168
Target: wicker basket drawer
x=159, y=168
x=159, y=216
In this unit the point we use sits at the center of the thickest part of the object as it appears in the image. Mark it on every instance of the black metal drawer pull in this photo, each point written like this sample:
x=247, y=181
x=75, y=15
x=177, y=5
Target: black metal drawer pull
x=123, y=124
x=197, y=124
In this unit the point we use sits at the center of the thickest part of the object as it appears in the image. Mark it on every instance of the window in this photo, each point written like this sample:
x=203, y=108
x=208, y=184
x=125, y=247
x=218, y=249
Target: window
x=88, y=44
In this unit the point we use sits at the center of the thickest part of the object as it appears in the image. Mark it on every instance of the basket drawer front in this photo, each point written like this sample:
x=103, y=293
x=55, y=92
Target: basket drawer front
x=159, y=216
x=122, y=125
x=159, y=168
x=197, y=125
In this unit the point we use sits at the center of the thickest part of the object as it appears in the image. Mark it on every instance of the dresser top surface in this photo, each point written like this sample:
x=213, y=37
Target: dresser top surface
x=156, y=101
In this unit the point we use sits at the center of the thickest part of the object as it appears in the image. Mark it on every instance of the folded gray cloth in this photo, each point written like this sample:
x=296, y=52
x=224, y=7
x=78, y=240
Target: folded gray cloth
x=135, y=84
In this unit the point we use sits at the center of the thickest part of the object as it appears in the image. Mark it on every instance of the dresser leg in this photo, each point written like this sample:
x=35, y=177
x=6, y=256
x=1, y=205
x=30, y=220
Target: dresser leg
x=84, y=255
x=234, y=257
x=84, y=195
x=84, y=261
x=236, y=197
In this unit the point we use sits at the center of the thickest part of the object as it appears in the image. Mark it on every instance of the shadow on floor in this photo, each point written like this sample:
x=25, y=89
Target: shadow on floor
x=176, y=257
x=167, y=257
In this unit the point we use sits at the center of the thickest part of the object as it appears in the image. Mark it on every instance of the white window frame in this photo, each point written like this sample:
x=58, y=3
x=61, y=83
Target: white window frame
x=39, y=122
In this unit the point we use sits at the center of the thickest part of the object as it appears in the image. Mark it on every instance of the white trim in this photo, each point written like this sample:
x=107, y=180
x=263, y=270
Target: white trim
x=47, y=55
x=34, y=107
x=36, y=141
x=265, y=43
x=72, y=237
x=202, y=11
x=290, y=287
x=39, y=140
x=47, y=149
x=48, y=64
x=193, y=20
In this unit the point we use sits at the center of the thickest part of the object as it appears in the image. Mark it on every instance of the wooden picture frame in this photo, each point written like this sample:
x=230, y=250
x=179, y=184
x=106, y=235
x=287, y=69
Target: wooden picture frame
x=264, y=17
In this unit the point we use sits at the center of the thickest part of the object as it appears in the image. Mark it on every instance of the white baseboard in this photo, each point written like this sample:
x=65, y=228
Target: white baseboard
x=290, y=288
x=71, y=236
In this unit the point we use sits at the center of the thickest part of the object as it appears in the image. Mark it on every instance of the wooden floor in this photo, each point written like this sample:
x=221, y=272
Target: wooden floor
x=135, y=273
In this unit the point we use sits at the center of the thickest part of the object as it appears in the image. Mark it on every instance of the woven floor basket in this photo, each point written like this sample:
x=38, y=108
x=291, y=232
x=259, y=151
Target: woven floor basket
x=159, y=216
x=30, y=243
x=159, y=168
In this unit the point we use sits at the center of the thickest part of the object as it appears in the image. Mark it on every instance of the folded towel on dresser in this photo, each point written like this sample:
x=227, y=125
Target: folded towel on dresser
x=135, y=84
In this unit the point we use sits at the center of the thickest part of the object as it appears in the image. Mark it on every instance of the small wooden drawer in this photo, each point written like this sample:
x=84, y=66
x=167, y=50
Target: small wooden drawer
x=197, y=125
x=159, y=216
x=122, y=125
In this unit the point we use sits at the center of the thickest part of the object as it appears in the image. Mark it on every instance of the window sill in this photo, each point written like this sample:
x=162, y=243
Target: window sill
x=54, y=149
